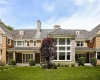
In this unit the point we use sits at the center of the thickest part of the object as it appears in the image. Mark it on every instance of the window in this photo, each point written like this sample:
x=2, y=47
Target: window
x=28, y=43
x=61, y=55
x=98, y=55
x=34, y=43
x=8, y=41
x=77, y=32
x=20, y=43
x=55, y=41
x=21, y=32
x=15, y=43
x=61, y=48
x=80, y=43
x=0, y=39
x=61, y=41
x=68, y=55
x=68, y=48
x=68, y=41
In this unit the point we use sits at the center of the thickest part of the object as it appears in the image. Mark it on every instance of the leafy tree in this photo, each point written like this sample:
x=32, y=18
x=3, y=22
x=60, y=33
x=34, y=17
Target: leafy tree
x=8, y=27
x=48, y=51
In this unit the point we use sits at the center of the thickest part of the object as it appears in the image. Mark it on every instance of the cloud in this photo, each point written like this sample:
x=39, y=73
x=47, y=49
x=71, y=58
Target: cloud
x=86, y=18
x=48, y=6
x=5, y=2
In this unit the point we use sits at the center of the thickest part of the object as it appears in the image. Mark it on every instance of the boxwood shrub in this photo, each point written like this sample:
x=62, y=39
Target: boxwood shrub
x=93, y=61
x=32, y=62
x=12, y=62
x=81, y=61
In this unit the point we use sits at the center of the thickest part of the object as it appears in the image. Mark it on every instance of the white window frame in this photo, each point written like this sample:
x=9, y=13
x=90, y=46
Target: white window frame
x=33, y=43
x=0, y=40
x=64, y=50
x=21, y=32
x=7, y=41
x=80, y=43
x=27, y=43
x=20, y=45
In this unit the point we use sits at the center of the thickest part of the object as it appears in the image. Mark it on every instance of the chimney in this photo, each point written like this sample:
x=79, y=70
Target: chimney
x=38, y=25
x=57, y=27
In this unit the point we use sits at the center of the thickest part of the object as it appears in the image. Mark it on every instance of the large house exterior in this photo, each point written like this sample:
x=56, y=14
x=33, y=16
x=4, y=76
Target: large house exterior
x=24, y=44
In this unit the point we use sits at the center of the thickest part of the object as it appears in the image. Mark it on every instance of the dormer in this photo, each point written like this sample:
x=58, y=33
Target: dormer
x=21, y=32
x=77, y=32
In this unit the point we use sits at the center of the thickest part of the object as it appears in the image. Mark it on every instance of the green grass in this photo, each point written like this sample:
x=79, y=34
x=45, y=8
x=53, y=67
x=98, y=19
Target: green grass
x=63, y=73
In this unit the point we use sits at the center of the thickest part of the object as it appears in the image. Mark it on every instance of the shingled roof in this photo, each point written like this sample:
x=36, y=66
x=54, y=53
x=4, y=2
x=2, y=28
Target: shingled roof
x=94, y=31
x=28, y=34
x=6, y=30
x=62, y=32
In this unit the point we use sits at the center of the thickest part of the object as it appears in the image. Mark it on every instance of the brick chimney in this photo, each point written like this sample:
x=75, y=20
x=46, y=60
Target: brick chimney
x=38, y=25
x=57, y=27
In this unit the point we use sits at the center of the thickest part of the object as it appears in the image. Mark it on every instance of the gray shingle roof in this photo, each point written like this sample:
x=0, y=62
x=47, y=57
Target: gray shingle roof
x=31, y=33
x=6, y=30
x=23, y=48
x=94, y=31
x=28, y=34
x=62, y=32
x=84, y=48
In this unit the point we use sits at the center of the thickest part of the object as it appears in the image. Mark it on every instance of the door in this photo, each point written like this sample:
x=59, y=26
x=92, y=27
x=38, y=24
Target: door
x=19, y=57
x=37, y=57
x=87, y=57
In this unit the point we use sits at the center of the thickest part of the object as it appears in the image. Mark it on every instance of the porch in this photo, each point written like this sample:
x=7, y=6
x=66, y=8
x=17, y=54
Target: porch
x=23, y=54
x=86, y=52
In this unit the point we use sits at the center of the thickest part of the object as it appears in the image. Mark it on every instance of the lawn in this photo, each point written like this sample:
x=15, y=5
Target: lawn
x=63, y=73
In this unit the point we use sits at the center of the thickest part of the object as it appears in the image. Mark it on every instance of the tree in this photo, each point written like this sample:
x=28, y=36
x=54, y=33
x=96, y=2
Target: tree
x=48, y=51
x=8, y=27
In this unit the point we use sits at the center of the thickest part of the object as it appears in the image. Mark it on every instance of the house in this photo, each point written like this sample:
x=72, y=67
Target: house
x=24, y=44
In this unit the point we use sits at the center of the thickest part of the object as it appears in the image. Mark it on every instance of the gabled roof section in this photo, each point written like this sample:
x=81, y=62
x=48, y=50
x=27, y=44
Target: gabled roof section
x=94, y=31
x=27, y=34
x=6, y=31
x=62, y=32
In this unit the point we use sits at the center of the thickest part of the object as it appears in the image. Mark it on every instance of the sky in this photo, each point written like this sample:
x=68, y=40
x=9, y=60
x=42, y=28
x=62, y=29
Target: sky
x=69, y=14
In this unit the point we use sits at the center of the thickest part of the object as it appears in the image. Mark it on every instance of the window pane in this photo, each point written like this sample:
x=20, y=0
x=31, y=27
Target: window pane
x=31, y=56
x=61, y=55
x=68, y=41
x=55, y=41
x=34, y=43
x=98, y=55
x=68, y=48
x=78, y=43
x=61, y=41
x=68, y=55
x=61, y=48
x=27, y=43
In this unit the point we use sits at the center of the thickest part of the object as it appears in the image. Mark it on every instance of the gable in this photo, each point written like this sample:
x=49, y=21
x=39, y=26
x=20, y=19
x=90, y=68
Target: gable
x=1, y=31
x=98, y=32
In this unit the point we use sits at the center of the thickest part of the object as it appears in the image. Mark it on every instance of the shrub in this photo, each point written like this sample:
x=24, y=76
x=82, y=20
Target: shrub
x=67, y=65
x=1, y=63
x=58, y=64
x=93, y=61
x=81, y=61
x=12, y=62
x=73, y=65
x=32, y=62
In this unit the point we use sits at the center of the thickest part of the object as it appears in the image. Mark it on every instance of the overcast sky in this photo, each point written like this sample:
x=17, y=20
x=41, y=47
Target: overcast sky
x=69, y=14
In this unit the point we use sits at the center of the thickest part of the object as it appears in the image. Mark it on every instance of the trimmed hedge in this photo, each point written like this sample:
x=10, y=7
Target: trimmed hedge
x=93, y=61
x=1, y=63
x=81, y=61
x=12, y=62
x=32, y=62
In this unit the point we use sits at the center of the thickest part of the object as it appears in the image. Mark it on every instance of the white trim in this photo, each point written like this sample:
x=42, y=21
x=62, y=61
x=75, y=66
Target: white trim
x=2, y=30
x=96, y=54
x=1, y=39
x=33, y=43
x=0, y=54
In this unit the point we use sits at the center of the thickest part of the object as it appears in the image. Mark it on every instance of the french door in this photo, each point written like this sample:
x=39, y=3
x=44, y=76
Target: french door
x=27, y=57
